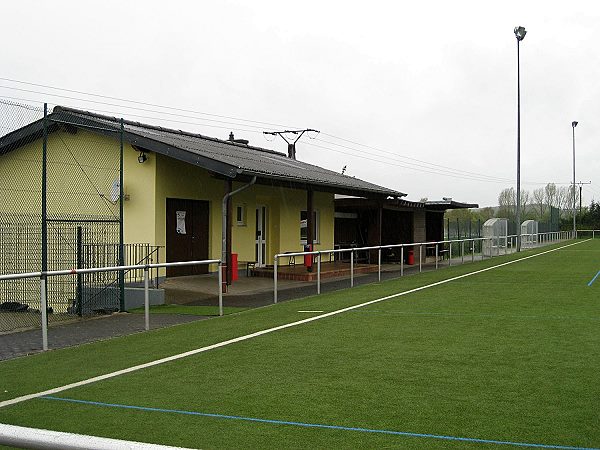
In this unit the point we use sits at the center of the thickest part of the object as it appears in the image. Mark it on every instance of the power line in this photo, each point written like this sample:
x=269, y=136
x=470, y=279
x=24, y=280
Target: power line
x=113, y=112
x=434, y=166
x=138, y=102
x=422, y=166
x=446, y=168
x=125, y=106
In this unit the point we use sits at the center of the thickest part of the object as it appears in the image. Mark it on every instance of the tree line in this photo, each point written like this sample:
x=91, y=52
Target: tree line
x=546, y=204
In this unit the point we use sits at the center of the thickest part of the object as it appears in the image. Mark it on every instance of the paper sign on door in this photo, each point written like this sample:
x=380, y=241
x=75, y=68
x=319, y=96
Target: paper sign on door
x=180, y=222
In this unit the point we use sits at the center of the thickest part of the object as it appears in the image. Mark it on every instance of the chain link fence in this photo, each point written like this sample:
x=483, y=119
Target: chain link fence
x=60, y=185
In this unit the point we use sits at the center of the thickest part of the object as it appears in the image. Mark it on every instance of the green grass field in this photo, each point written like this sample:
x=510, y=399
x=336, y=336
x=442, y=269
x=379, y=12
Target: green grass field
x=509, y=356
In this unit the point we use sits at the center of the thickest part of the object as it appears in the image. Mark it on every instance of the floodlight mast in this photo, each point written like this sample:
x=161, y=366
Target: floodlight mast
x=520, y=33
x=574, y=124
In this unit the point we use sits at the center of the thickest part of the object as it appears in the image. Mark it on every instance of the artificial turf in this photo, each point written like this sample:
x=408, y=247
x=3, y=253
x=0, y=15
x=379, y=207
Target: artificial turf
x=509, y=354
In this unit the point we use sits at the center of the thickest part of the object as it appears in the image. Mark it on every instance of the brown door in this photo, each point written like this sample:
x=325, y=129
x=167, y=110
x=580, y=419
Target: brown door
x=187, y=235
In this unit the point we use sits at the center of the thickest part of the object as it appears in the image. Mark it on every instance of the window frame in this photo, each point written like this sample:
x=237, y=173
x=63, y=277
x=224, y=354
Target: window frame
x=317, y=226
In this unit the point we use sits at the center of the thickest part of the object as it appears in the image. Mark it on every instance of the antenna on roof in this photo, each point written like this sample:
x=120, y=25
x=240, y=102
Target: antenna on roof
x=291, y=142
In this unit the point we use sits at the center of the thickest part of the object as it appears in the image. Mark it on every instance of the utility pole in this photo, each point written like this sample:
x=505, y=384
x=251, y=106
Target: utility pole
x=310, y=230
x=290, y=142
x=581, y=183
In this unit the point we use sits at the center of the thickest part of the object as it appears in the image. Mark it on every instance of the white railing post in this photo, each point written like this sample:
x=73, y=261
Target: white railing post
x=462, y=252
x=450, y=254
x=44, y=310
x=402, y=261
x=351, y=268
x=220, y=288
x=147, y=298
x=379, y=264
x=275, y=280
x=420, y=258
x=436, y=256
x=318, y=273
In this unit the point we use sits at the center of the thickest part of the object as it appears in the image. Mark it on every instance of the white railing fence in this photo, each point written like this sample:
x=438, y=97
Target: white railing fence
x=43, y=277
x=476, y=247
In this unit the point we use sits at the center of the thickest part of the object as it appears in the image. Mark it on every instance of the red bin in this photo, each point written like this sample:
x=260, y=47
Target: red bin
x=234, y=267
x=411, y=257
x=308, y=259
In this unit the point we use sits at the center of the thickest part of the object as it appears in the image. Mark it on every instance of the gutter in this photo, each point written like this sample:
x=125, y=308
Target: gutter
x=224, y=227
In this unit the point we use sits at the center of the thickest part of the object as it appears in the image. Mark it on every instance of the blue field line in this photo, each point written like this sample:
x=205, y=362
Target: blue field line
x=316, y=425
x=594, y=279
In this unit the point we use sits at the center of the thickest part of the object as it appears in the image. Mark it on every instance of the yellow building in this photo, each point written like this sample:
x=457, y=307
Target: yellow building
x=175, y=185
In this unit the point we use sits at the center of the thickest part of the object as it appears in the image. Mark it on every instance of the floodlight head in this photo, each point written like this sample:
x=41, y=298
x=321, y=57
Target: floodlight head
x=142, y=158
x=574, y=123
x=520, y=33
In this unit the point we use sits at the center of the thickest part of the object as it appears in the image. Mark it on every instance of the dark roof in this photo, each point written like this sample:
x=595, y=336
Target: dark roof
x=443, y=205
x=227, y=158
x=400, y=204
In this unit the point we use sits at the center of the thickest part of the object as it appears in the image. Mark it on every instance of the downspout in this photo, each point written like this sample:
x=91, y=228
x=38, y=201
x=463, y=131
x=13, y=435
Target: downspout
x=224, y=226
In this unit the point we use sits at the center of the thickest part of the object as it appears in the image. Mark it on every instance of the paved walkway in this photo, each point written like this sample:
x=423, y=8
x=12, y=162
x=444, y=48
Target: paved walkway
x=84, y=331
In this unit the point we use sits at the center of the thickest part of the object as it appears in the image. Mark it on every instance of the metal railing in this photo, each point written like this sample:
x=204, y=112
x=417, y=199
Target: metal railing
x=487, y=248
x=43, y=276
x=593, y=232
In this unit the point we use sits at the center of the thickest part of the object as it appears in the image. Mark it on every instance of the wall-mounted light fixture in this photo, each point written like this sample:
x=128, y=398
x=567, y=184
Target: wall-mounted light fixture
x=142, y=158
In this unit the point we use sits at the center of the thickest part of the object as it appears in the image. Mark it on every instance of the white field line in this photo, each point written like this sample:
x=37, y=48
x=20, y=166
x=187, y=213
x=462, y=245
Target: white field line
x=246, y=337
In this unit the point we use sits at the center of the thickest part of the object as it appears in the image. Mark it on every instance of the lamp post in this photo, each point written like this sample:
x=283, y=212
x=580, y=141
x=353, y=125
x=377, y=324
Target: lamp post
x=520, y=33
x=574, y=124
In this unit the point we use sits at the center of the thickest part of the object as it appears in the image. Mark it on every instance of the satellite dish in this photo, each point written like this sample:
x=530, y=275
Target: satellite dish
x=115, y=191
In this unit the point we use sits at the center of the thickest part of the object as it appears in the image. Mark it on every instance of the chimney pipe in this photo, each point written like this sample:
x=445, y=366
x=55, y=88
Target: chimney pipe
x=231, y=138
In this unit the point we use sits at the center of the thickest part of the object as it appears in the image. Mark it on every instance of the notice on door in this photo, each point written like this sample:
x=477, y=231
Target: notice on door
x=180, y=222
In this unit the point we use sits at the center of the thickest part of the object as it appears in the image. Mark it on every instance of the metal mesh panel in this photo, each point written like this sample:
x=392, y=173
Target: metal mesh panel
x=20, y=217
x=82, y=214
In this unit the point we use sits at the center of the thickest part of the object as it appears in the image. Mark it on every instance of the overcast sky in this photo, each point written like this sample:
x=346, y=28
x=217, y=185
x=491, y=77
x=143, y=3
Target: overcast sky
x=428, y=81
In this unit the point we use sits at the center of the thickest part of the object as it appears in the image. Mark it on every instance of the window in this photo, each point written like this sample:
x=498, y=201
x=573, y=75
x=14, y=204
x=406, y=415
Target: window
x=303, y=227
x=240, y=215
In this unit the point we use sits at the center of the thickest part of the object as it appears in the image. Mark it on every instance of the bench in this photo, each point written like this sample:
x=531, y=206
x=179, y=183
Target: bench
x=249, y=267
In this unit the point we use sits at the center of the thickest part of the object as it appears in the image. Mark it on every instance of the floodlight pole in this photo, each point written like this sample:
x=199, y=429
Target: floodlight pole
x=574, y=124
x=520, y=35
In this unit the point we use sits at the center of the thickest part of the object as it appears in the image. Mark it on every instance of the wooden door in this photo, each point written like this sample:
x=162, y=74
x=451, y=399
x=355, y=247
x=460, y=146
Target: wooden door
x=187, y=235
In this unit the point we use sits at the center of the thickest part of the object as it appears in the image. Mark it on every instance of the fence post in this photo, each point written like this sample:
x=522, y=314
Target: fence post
x=351, y=268
x=450, y=254
x=379, y=264
x=402, y=261
x=157, y=269
x=146, y=299
x=220, y=279
x=79, y=294
x=420, y=258
x=318, y=272
x=275, y=280
x=44, y=310
x=121, y=229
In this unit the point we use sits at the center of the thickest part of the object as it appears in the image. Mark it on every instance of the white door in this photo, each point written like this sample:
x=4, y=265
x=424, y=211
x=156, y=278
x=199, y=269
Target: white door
x=261, y=236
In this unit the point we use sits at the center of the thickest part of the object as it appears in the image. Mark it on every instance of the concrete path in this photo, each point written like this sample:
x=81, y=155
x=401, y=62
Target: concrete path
x=83, y=331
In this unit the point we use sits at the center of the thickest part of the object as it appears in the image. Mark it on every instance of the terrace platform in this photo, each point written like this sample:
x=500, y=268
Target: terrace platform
x=299, y=272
